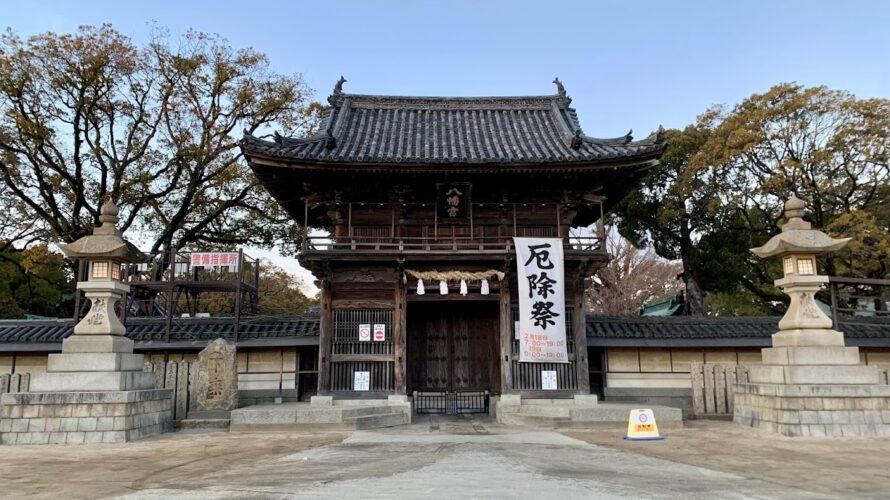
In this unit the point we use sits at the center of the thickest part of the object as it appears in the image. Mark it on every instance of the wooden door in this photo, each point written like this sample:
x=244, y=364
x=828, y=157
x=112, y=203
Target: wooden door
x=452, y=346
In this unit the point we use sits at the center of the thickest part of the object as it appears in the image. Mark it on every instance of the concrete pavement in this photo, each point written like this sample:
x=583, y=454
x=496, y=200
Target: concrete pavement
x=458, y=457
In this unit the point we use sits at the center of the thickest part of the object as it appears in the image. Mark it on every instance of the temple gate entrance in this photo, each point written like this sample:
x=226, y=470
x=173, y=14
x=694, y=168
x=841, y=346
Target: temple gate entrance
x=452, y=355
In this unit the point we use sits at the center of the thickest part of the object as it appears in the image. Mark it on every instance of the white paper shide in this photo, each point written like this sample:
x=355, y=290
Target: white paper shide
x=541, y=276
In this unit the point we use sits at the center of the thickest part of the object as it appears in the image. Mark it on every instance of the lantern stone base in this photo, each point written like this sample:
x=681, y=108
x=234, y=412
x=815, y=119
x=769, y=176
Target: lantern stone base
x=817, y=410
x=94, y=363
x=95, y=391
x=84, y=417
x=814, y=390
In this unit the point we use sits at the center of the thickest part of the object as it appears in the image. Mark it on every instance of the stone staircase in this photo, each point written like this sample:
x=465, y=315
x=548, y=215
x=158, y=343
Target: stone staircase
x=324, y=411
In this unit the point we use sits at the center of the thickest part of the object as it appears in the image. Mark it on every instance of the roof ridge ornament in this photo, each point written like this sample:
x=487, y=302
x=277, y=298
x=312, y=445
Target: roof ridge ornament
x=560, y=90
x=576, y=140
x=338, y=90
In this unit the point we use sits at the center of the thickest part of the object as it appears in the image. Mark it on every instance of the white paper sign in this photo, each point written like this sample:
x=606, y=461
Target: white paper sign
x=362, y=381
x=379, y=332
x=516, y=330
x=364, y=333
x=548, y=380
x=541, y=276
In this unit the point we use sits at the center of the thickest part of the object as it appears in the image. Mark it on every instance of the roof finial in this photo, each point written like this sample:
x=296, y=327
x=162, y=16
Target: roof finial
x=338, y=87
x=794, y=212
x=560, y=90
x=108, y=213
x=338, y=91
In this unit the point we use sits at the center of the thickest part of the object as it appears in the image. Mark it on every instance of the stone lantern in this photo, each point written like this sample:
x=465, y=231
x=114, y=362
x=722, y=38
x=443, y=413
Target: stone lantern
x=105, y=251
x=809, y=383
x=798, y=245
x=96, y=390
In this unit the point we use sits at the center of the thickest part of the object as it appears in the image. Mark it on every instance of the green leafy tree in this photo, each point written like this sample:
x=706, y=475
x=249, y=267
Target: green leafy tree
x=674, y=205
x=281, y=293
x=32, y=281
x=721, y=184
x=826, y=146
x=91, y=116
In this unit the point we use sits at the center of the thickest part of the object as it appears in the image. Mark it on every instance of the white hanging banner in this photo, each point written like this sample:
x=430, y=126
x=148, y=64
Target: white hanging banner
x=541, y=276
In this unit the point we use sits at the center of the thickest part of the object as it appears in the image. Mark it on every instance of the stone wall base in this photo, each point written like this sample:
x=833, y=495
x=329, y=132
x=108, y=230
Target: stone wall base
x=814, y=410
x=84, y=417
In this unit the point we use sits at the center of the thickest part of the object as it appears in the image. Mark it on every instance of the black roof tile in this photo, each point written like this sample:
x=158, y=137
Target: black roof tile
x=152, y=330
x=702, y=331
x=717, y=330
x=454, y=130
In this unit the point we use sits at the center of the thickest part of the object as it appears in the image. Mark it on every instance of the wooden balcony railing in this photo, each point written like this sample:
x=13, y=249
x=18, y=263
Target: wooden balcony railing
x=422, y=245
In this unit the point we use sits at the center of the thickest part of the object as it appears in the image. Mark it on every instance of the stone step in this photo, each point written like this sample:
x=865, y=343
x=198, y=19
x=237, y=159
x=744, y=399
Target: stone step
x=360, y=411
x=360, y=402
x=546, y=410
x=530, y=420
x=547, y=401
x=203, y=423
x=376, y=421
x=621, y=412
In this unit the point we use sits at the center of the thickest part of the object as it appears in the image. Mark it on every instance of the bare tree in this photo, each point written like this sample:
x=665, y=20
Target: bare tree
x=632, y=278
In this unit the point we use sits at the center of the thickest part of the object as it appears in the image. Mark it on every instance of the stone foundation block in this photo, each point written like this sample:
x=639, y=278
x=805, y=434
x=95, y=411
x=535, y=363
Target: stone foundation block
x=808, y=337
x=814, y=410
x=61, y=382
x=97, y=343
x=814, y=374
x=95, y=362
x=84, y=417
x=811, y=355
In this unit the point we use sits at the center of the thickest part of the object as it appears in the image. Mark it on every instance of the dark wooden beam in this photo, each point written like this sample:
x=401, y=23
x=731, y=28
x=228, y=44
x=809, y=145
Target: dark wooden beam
x=506, y=339
x=579, y=329
x=326, y=334
x=400, y=336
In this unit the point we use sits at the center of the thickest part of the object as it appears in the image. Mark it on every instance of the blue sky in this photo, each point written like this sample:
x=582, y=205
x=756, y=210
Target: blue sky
x=625, y=64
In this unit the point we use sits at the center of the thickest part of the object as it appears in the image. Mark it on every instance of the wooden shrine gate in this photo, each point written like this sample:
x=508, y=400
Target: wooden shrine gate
x=452, y=355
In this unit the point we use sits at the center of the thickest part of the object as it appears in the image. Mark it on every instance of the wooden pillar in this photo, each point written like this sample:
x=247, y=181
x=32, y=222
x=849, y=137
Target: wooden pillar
x=399, y=337
x=506, y=342
x=579, y=330
x=326, y=334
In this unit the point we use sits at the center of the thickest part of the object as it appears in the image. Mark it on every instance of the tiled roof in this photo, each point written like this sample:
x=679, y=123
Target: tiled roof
x=702, y=331
x=454, y=130
x=146, y=331
x=717, y=330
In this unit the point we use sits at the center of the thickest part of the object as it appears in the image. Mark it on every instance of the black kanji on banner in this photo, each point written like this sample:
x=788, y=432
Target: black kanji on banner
x=453, y=202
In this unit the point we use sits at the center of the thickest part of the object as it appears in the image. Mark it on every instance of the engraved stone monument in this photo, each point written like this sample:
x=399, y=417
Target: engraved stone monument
x=810, y=383
x=95, y=390
x=216, y=381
